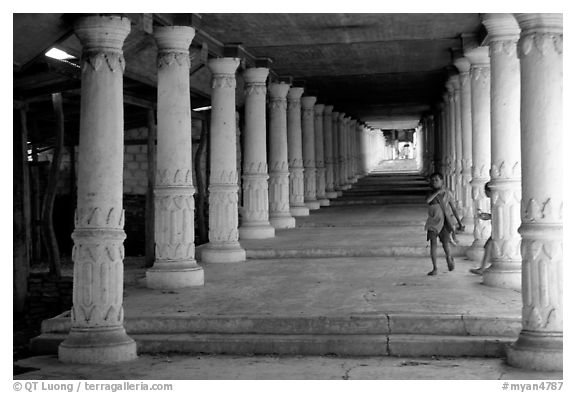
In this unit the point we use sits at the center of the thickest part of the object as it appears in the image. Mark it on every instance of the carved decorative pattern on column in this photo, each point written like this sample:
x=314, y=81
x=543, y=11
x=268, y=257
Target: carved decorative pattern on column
x=113, y=60
x=279, y=189
x=297, y=185
x=278, y=104
x=506, y=220
x=223, y=213
x=255, y=89
x=223, y=81
x=174, y=207
x=543, y=283
x=255, y=187
x=173, y=58
x=544, y=43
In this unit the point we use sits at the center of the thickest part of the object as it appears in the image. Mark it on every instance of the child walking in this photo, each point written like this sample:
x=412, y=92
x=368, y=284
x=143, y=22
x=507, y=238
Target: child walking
x=439, y=223
x=488, y=245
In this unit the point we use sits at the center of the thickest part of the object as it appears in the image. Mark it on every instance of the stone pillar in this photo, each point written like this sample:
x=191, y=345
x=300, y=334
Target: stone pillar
x=448, y=160
x=503, y=34
x=364, y=155
x=308, y=152
x=336, y=152
x=280, y=216
x=457, y=118
x=296, y=165
x=255, y=221
x=223, y=243
x=97, y=334
x=342, y=146
x=540, y=345
x=439, y=164
x=329, y=152
x=175, y=265
x=319, y=155
x=480, y=87
x=463, y=66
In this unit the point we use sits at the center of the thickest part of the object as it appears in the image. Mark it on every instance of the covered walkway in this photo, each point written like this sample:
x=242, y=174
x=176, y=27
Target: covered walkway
x=348, y=280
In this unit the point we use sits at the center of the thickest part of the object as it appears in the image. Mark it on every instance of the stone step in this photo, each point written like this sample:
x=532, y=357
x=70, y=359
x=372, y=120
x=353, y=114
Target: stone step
x=341, y=252
x=377, y=200
x=394, y=334
x=305, y=345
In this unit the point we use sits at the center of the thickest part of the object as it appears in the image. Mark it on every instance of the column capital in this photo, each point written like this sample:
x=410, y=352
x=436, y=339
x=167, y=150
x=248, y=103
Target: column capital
x=540, y=23
x=224, y=66
x=173, y=38
x=102, y=32
x=478, y=56
x=463, y=65
x=328, y=110
x=295, y=93
x=454, y=80
x=308, y=102
x=255, y=75
x=319, y=109
x=341, y=116
x=335, y=115
x=278, y=90
x=501, y=27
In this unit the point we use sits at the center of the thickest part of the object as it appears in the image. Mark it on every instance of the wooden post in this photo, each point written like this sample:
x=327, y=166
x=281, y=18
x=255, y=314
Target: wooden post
x=21, y=209
x=150, y=241
x=200, y=184
x=51, y=189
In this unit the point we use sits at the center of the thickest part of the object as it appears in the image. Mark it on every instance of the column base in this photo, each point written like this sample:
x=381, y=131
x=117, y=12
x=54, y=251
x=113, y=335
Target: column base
x=164, y=277
x=256, y=231
x=299, y=211
x=504, y=275
x=346, y=187
x=476, y=251
x=284, y=222
x=97, y=346
x=339, y=193
x=223, y=253
x=324, y=202
x=312, y=205
x=331, y=194
x=539, y=352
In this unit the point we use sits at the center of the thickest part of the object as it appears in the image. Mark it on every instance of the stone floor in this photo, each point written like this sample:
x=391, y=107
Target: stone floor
x=220, y=367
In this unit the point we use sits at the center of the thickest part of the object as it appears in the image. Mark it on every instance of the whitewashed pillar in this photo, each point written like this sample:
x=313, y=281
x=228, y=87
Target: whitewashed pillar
x=279, y=188
x=319, y=155
x=540, y=48
x=336, y=152
x=175, y=265
x=503, y=34
x=308, y=152
x=296, y=164
x=463, y=66
x=329, y=152
x=480, y=88
x=223, y=243
x=97, y=334
x=255, y=216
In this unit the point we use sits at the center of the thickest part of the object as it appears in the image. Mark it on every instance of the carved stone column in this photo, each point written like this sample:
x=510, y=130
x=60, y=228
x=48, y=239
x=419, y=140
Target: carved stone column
x=255, y=222
x=296, y=165
x=540, y=345
x=480, y=88
x=364, y=150
x=503, y=34
x=448, y=158
x=336, y=152
x=175, y=265
x=343, y=147
x=308, y=152
x=319, y=155
x=280, y=216
x=97, y=334
x=455, y=80
x=329, y=152
x=353, y=153
x=223, y=243
x=463, y=66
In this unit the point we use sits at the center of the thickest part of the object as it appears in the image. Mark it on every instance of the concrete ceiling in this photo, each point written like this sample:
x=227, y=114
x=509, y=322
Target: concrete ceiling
x=384, y=69
x=372, y=66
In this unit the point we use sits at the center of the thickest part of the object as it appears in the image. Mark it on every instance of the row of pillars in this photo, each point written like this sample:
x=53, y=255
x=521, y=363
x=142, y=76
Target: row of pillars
x=307, y=155
x=501, y=123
